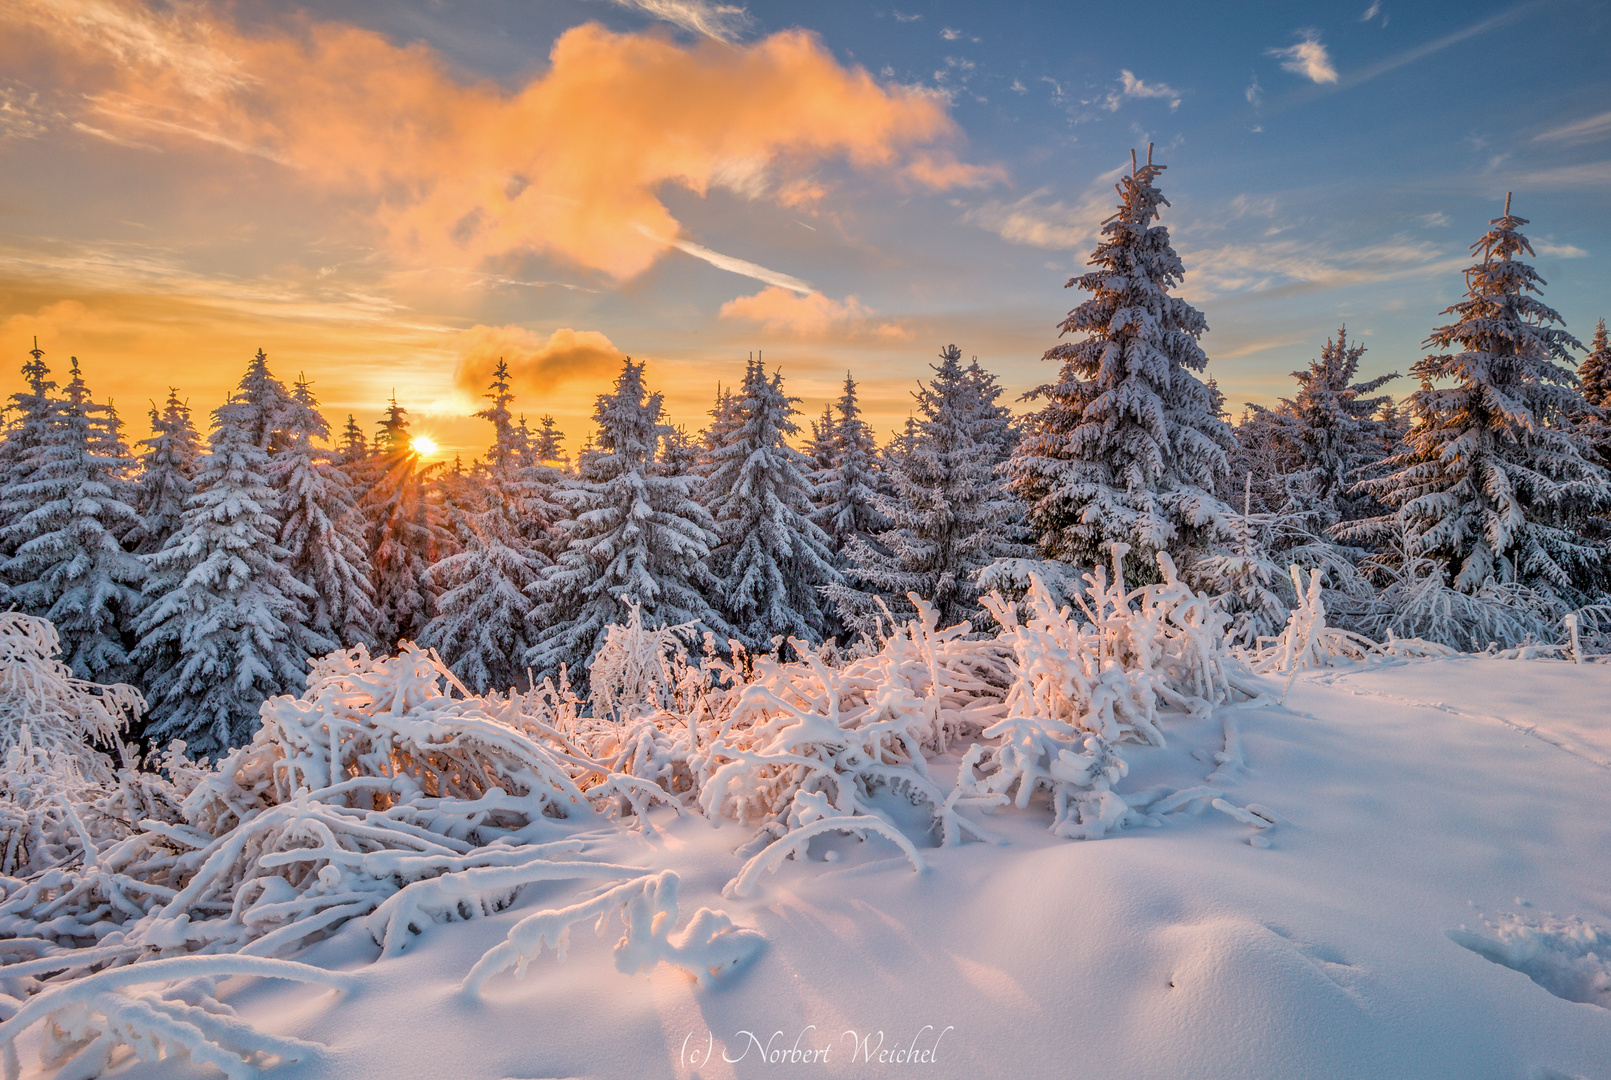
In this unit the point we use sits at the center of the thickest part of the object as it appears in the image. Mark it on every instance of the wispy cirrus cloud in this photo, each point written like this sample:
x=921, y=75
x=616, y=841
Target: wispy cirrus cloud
x=720, y=22
x=1300, y=265
x=1589, y=130
x=1308, y=58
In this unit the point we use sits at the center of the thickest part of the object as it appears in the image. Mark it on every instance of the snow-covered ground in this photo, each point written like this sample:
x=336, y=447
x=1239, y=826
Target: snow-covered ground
x=1437, y=817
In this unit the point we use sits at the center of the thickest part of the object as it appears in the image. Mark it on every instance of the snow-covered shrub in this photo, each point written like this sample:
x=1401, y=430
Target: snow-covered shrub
x=1080, y=688
x=44, y=707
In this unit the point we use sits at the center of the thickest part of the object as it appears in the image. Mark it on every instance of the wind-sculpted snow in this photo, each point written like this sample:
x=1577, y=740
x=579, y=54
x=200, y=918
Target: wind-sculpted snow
x=389, y=797
x=1568, y=957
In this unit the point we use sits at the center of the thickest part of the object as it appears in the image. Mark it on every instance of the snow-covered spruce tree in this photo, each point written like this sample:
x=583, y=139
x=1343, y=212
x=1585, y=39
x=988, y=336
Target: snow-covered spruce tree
x=847, y=489
x=225, y=625
x=1128, y=446
x=68, y=562
x=1594, y=376
x=772, y=558
x=167, y=475
x=481, y=626
x=548, y=443
x=1323, y=435
x=321, y=529
x=265, y=404
x=679, y=453
x=950, y=512
x=353, y=447
x=633, y=535
x=1494, y=473
x=34, y=413
x=819, y=447
x=406, y=532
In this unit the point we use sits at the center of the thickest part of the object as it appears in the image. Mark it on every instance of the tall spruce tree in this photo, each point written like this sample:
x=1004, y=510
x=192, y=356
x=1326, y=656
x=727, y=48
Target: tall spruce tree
x=1128, y=446
x=167, y=474
x=321, y=529
x=847, y=489
x=225, y=626
x=480, y=626
x=35, y=412
x=772, y=557
x=406, y=532
x=1495, y=474
x=950, y=513
x=68, y=563
x=633, y=535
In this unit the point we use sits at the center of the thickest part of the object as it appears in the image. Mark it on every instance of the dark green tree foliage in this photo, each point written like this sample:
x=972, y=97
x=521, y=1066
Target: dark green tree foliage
x=1494, y=472
x=1128, y=446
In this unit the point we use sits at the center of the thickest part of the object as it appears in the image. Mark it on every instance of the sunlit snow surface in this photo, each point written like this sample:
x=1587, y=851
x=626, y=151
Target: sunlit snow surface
x=1436, y=816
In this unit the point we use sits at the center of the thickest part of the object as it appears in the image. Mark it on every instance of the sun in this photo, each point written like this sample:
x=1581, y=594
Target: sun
x=423, y=445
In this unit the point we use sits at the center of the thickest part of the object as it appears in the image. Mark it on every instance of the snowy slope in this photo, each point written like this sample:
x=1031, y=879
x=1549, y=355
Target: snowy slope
x=1414, y=802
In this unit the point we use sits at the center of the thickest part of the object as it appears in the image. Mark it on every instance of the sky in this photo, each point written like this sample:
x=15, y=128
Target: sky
x=387, y=198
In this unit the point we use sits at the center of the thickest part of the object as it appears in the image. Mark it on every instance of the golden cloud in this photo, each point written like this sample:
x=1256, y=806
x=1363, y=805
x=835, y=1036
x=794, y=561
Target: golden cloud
x=537, y=365
x=780, y=311
x=568, y=165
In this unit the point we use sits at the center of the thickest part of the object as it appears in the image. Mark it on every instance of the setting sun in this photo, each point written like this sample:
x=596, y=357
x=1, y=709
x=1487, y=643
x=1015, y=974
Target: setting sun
x=423, y=445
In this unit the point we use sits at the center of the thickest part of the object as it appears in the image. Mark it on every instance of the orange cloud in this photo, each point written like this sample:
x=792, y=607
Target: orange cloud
x=780, y=311
x=536, y=364
x=568, y=165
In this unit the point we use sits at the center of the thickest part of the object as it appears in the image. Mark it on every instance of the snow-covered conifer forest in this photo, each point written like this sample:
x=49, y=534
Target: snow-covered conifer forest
x=1097, y=734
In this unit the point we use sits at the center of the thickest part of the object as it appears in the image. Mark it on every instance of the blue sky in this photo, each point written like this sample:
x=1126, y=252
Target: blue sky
x=1326, y=163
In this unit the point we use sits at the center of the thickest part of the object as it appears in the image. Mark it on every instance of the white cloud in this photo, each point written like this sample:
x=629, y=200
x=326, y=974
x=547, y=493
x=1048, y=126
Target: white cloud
x=1435, y=220
x=1018, y=87
x=1254, y=92
x=949, y=34
x=1132, y=87
x=724, y=22
x=1055, y=226
x=1560, y=251
x=1578, y=132
x=1372, y=11
x=1307, y=58
x=903, y=17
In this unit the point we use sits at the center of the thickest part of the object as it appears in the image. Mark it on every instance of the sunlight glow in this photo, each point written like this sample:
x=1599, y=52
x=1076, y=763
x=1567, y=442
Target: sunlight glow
x=423, y=445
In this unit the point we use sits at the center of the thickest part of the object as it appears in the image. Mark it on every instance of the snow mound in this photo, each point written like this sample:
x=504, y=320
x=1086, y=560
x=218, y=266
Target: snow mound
x=1568, y=957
